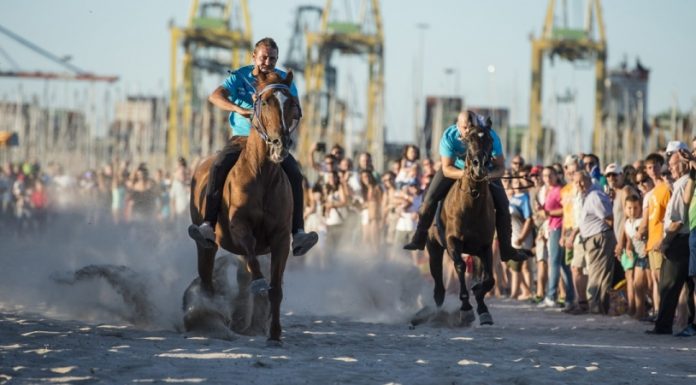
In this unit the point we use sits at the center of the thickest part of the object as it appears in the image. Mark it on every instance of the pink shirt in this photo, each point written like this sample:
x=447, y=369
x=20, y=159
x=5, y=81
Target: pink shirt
x=553, y=202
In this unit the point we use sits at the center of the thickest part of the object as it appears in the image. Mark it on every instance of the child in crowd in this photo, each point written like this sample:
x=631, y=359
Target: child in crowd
x=522, y=237
x=634, y=259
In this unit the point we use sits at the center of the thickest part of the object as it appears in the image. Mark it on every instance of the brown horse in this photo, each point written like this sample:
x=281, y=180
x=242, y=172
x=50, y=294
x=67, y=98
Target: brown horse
x=466, y=224
x=256, y=209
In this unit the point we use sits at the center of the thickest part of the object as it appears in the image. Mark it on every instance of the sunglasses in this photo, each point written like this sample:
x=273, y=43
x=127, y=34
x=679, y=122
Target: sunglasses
x=643, y=181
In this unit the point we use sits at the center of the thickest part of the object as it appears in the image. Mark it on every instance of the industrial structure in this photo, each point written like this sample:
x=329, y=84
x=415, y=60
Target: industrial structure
x=324, y=114
x=573, y=45
x=216, y=39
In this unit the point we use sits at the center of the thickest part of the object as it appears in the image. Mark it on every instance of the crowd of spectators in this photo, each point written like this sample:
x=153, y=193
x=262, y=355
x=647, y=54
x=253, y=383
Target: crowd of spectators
x=605, y=240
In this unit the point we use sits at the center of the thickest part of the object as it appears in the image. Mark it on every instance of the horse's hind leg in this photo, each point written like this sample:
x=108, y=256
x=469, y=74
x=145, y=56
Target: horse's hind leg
x=435, y=253
x=248, y=243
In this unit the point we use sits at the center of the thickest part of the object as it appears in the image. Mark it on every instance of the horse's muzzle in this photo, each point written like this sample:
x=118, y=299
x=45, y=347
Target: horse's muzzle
x=277, y=153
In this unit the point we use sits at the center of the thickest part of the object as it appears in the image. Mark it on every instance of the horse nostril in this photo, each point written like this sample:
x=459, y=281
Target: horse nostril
x=276, y=142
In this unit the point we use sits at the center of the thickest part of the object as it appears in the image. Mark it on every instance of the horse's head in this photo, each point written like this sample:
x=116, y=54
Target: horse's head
x=276, y=113
x=479, y=145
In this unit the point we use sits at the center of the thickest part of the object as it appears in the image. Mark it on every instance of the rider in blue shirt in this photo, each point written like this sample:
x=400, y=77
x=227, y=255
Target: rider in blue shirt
x=452, y=157
x=236, y=96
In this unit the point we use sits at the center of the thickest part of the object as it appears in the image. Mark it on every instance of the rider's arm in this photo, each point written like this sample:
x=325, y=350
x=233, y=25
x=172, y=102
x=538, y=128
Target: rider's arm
x=219, y=98
x=498, y=167
x=449, y=170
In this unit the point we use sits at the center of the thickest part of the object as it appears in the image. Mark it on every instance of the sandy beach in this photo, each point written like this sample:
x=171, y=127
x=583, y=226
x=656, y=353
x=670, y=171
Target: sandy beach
x=347, y=324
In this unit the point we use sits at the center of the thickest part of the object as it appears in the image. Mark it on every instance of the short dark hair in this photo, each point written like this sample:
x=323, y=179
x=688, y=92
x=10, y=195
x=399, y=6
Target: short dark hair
x=267, y=42
x=633, y=198
x=655, y=158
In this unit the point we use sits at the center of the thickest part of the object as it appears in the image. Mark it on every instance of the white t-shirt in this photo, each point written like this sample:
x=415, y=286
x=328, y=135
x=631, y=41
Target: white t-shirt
x=631, y=228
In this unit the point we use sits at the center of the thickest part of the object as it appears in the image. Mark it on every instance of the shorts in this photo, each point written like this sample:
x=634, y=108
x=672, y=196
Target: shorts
x=629, y=263
x=692, y=253
x=515, y=266
x=655, y=259
x=578, y=260
x=542, y=252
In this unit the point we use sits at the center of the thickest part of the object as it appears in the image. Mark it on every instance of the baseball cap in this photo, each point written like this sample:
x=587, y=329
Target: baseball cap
x=613, y=168
x=536, y=170
x=675, y=146
x=571, y=159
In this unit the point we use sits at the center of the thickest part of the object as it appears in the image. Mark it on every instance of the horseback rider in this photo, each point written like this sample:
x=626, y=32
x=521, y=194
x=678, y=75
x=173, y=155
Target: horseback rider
x=452, y=155
x=237, y=95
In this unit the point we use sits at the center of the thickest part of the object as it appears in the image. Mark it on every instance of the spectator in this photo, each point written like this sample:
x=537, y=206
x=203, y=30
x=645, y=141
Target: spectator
x=652, y=225
x=371, y=212
x=598, y=240
x=553, y=212
x=675, y=246
x=634, y=259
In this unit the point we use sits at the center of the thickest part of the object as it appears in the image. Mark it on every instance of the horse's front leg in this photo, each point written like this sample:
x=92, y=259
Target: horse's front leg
x=466, y=312
x=206, y=266
x=483, y=287
x=280, y=251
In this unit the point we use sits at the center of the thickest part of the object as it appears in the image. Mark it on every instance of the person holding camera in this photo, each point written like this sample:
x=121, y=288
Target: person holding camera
x=236, y=95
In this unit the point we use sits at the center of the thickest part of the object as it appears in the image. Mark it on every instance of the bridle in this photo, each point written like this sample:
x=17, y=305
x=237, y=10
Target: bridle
x=280, y=92
x=469, y=170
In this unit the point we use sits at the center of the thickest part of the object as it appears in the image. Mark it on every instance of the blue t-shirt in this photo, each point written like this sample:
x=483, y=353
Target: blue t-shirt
x=451, y=146
x=241, y=85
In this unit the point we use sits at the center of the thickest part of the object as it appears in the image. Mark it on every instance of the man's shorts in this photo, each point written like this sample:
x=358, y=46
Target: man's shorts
x=655, y=259
x=578, y=260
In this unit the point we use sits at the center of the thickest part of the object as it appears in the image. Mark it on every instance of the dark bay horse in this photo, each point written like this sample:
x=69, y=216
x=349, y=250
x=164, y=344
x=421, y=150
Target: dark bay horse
x=256, y=208
x=466, y=224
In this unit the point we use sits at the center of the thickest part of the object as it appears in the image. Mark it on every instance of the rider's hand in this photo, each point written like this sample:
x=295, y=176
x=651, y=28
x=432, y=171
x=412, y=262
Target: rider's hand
x=246, y=113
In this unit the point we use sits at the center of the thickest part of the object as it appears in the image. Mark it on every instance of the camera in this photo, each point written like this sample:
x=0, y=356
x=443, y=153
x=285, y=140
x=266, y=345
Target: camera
x=321, y=147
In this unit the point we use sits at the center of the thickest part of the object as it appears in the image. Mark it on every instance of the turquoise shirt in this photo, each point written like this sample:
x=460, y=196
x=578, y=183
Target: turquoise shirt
x=451, y=146
x=241, y=85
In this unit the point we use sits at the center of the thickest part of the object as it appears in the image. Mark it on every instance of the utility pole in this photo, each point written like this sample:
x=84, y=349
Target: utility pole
x=418, y=94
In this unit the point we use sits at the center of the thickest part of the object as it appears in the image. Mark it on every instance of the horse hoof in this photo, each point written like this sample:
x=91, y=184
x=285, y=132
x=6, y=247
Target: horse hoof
x=466, y=317
x=485, y=319
x=422, y=316
x=259, y=286
x=274, y=343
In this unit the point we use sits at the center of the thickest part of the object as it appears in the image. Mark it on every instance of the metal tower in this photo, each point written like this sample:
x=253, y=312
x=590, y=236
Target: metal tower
x=213, y=42
x=571, y=45
x=361, y=37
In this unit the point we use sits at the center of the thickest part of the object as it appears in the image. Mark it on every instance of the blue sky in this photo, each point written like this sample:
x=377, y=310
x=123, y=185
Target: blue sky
x=130, y=38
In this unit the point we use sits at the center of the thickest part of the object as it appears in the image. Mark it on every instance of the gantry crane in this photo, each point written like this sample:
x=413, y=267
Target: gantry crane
x=214, y=41
x=361, y=37
x=571, y=45
x=75, y=73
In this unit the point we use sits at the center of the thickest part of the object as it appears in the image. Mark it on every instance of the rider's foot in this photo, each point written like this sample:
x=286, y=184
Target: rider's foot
x=517, y=255
x=418, y=241
x=204, y=235
x=302, y=242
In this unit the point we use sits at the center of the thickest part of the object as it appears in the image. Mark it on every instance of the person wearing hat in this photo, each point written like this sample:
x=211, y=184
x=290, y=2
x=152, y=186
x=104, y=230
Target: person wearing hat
x=675, y=245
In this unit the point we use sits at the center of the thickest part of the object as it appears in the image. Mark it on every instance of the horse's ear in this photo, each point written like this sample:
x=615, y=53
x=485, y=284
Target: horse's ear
x=489, y=123
x=288, y=79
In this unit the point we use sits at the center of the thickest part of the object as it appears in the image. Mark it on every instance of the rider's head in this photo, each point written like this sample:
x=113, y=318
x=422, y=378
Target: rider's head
x=463, y=124
x=468, y=119
x=265, y=55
